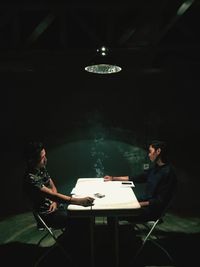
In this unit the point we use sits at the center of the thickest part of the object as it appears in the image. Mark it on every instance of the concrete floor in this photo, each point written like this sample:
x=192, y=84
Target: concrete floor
x=180, y=235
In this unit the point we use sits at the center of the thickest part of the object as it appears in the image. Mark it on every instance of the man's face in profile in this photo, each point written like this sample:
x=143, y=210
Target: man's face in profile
x=43, y=159
x=153, y=153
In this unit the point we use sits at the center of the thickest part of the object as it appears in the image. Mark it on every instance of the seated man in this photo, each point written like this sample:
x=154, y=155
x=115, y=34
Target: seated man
x=42, y=192
x=161, y=183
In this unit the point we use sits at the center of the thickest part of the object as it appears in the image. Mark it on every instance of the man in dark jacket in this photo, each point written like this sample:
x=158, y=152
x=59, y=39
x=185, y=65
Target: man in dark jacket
x=161, y=183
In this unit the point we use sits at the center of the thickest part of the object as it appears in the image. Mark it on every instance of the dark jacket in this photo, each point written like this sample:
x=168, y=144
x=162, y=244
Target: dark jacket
x=161, y=185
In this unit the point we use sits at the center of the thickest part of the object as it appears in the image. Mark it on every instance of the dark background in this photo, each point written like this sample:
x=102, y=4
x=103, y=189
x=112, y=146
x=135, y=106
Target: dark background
x=95, y=124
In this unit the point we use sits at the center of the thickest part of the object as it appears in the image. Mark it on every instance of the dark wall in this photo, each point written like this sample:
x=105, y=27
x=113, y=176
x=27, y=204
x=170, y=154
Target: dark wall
x=80, y=115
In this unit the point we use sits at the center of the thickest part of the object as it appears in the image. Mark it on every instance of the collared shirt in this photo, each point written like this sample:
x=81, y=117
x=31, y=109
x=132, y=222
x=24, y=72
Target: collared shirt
x=34, y=180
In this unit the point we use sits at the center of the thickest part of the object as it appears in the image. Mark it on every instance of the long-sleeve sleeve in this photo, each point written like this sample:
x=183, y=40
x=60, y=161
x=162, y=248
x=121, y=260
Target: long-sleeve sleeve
x=164, y=190
x=140, y=178
x=160, y=187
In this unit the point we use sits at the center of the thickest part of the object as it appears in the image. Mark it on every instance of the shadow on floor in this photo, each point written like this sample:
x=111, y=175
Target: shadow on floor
x=19, y=254
x=184, y=248
x=179, y=235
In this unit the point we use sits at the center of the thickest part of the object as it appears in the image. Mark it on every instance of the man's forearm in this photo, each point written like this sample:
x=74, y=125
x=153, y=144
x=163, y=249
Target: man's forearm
x=120, y=178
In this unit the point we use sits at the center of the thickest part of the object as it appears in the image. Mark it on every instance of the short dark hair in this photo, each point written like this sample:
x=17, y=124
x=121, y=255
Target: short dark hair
x=158, y=144
x=33, y=150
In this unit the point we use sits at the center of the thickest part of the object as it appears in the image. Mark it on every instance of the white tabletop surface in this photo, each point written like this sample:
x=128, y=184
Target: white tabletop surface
x=115, y=194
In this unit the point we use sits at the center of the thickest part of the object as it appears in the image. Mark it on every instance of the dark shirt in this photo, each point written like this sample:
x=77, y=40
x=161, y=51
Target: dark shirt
x=161, y=184
x=34, y=180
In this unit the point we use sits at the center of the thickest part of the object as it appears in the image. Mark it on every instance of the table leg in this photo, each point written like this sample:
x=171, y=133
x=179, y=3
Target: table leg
x=92, y=251
x=116, y=241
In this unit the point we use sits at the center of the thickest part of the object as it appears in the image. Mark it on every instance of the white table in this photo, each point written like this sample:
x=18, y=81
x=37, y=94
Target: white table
x=118, y=200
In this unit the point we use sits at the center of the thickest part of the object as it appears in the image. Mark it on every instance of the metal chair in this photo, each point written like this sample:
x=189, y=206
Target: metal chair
x=148, y=233
x=42, y=226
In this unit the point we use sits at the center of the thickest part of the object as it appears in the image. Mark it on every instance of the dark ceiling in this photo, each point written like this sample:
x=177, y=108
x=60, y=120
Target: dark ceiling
x=145, y=35
x=45, y=45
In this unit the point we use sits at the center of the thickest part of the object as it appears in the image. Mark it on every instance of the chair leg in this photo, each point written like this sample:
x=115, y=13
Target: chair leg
x=164, y=250
x=50, y=231
x=149, y=237
x=145, y=240
x=42, y=239
x=65, y=253
x=43, y=256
